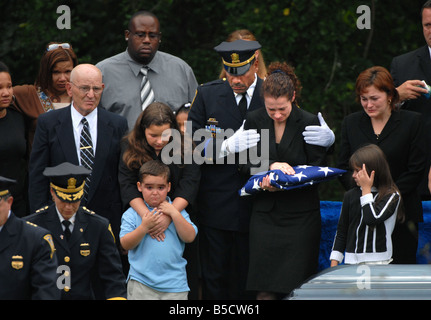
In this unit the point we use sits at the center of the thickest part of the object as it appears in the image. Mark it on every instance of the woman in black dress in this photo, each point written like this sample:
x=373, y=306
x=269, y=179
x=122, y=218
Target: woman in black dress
x=285, y=225
x=13, y=146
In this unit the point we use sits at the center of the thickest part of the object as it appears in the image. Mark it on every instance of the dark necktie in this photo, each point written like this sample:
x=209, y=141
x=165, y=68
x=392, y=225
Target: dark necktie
x=86, y=154
x=67, y=232
x=243, y=105
x=147, y=94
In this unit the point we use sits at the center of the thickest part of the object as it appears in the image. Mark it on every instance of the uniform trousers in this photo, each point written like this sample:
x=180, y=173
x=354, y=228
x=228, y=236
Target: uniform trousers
x=224, y=263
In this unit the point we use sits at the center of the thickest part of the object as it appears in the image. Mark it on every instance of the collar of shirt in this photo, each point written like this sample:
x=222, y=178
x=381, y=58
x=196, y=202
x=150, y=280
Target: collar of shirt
x=72, y=220
x=429, y=49
x=136, y=67
x=77, y=127
x=249, y=92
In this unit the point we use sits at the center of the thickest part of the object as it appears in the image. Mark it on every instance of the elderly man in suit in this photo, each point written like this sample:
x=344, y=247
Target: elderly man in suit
x=84, y=240
x=409, y=70
x=81, y=134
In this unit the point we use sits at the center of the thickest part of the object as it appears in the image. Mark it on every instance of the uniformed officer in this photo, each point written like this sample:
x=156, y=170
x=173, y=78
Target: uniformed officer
x=84, y=240
x=218, y=106
x=28, y=264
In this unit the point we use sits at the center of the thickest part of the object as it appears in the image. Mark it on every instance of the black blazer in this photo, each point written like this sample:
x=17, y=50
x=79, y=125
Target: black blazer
x=416, y=65
x=54, y=144
x=402, y=141
x=34, y=274
x=218, y=201
x=293, y=150
x=90, y=250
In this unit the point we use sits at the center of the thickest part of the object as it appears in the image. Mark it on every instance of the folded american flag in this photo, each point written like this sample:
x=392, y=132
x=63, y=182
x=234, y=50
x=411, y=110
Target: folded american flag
x=304, y=176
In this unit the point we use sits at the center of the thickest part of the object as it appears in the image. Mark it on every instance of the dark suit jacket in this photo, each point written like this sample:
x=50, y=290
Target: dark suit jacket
x=91, y=249
x=293, y=150
x=402, y=141
x=416, y=65
x=218, y=202
x=54, y=144
x=28, y=264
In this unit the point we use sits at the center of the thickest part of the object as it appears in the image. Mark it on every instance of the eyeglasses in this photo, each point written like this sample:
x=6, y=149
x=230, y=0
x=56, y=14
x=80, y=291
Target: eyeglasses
x=55, y=46
x=86, y=89
x=143, y=35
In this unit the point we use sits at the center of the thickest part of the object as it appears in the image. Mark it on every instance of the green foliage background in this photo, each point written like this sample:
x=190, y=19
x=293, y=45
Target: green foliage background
x=319, y=38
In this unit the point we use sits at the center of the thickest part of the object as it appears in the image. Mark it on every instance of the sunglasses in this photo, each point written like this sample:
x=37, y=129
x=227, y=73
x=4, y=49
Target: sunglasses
x=55, y=46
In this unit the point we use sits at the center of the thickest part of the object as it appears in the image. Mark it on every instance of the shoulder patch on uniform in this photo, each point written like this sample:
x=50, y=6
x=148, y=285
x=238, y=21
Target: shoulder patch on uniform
x=88, y=211
x=110, y=230
x=48, y=238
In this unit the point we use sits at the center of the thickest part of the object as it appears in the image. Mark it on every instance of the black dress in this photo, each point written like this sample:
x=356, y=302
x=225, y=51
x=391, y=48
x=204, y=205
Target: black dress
x=285, y=225
x=13, y=158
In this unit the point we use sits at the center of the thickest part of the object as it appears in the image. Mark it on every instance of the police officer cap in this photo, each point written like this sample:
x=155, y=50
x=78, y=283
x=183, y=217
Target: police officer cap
x=67, y=181
x=5, y=184
x=237, y=55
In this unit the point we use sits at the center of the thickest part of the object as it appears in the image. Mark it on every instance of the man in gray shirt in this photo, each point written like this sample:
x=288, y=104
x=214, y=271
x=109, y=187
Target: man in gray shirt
x=172, y=80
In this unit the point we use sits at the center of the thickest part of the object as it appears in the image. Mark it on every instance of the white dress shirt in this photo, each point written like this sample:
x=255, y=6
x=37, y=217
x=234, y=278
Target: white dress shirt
x=77, y=128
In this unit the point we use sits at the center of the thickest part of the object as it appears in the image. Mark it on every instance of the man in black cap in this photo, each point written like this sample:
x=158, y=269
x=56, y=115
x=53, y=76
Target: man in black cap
x=28, y=264
x=224, y=216
x=84, y=240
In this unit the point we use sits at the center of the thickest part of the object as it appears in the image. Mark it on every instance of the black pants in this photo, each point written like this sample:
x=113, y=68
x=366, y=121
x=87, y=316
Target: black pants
x=405, y=243
x=224, y=264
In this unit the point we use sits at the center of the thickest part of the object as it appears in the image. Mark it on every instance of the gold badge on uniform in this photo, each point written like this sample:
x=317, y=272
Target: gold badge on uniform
x=17, y=262
x=84, y=249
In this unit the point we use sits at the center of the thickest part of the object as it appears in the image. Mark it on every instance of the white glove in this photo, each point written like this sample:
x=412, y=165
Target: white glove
x=319, y=135
x=240, y=141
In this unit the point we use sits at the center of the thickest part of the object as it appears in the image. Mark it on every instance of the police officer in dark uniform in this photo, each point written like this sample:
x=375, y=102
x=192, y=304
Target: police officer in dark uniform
x=28, y=264
x=223, y=216
x=84, y=240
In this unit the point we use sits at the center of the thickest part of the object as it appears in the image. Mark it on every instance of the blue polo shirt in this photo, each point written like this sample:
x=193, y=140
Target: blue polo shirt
x=158, y=265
